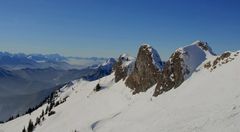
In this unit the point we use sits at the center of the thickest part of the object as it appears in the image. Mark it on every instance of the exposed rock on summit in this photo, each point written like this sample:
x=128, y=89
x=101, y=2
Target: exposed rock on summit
x=225, y=58
x=172, y=74
x=147, y=70
x=123, y=67
x=180, y=66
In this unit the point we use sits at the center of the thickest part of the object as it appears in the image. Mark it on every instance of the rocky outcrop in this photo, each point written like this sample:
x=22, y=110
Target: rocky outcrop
x=172, y=75
x=225, y=58
x=147, y=70
x=182, y=63
x=123, y=67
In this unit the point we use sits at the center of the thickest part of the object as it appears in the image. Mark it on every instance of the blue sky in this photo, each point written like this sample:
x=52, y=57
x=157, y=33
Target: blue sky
x=110, y=27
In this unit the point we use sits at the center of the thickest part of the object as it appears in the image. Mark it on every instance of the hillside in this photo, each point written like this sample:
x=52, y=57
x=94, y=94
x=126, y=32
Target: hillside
x=208, y=100
x=26, y=88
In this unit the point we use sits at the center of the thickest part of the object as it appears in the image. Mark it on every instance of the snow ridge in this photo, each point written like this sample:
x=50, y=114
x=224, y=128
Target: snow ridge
x=193, y=55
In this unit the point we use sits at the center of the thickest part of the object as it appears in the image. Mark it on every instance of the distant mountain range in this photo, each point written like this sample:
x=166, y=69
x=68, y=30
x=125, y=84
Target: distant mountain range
x=26, y=80
x=35, y=61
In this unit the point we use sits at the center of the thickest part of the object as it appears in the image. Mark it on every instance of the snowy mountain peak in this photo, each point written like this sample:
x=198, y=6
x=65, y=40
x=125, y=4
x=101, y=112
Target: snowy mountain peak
x=146, y=45
x=147, y=49
x=126, y=57
x=109, y=61
x=146, y=70
x=193, y=55
x=124, y=66
x=102, y=70
x=204, y=46
x=182, y=63
x=198, y=41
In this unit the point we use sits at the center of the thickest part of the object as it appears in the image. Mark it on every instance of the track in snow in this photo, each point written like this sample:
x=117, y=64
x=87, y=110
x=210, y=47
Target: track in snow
x=97, y=124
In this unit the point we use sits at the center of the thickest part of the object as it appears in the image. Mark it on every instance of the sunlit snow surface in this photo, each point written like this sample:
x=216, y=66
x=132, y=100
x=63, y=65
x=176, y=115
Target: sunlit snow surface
x=206, y=102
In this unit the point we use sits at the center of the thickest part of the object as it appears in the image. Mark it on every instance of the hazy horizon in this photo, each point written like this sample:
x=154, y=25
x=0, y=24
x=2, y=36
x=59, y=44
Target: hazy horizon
x=107, y=29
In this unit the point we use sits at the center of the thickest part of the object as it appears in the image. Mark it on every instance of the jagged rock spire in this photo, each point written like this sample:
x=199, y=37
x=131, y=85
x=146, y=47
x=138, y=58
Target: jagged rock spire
x=146, y=71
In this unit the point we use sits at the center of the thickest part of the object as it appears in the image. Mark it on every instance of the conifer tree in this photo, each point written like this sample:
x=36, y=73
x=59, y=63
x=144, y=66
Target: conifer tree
x=42, y=114
x=38, y=121
x=47, y=109
x=24, y=130
x=30, y=126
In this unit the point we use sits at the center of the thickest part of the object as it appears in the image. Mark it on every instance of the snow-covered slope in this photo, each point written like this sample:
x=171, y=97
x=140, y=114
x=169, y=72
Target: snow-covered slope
x=193, y=55
x=26, y=88
x=209, y=101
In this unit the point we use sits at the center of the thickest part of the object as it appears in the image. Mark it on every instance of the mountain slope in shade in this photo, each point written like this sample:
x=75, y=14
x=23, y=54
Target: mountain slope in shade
x=26, y=88
x=101, y=70
x=207, y=101
x=39, y=61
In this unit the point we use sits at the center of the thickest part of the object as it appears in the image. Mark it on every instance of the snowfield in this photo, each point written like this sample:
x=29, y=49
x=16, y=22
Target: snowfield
x=208, y=101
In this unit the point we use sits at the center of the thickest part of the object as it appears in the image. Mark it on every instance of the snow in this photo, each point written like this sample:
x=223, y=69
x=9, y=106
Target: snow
x=209, y=52
x=193, y=56
x=208, y=101
x=221, y=61
x=128, y=62
x=156, y=59
x=127, y=59
x=41, y=61
x=108, y=61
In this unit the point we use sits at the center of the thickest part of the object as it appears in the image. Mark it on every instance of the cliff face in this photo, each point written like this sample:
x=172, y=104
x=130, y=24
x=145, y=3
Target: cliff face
x=172, y=75
x=147, y=70
x=180, y=66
